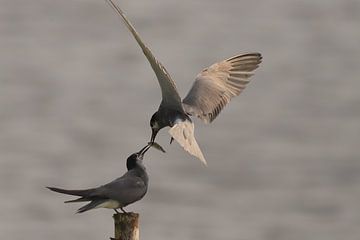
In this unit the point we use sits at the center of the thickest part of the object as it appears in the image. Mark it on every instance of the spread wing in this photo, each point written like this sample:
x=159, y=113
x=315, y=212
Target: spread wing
x=170, y=95
x=183, y=133
x=216, y=85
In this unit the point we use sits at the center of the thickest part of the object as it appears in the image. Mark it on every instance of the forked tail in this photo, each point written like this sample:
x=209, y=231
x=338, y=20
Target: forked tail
x=81, y=193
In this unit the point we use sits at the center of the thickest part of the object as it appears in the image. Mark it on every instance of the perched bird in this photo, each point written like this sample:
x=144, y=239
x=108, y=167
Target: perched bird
x=129, y=188
x=213, y=88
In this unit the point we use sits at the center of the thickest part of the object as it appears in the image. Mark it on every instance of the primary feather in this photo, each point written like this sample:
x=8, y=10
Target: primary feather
x=216, y=85
x=170, y=95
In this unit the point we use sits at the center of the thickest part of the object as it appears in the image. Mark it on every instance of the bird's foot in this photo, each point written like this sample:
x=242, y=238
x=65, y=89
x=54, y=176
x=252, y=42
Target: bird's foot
x=123, y=210
x=171, y=140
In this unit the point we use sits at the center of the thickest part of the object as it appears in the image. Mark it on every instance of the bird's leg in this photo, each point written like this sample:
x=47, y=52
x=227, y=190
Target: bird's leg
x=171, y=140
x=123, y=210
x=116, y=211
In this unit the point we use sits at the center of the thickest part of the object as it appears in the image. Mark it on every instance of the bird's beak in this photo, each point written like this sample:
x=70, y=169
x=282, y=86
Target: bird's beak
x=144, y=150
x=153, y=134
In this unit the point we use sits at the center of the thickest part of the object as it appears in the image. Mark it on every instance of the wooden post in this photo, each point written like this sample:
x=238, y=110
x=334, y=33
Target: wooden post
x=126, y=226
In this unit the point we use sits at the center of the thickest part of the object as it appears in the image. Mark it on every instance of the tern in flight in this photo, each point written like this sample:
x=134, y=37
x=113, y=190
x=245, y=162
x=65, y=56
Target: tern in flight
x=213, y=88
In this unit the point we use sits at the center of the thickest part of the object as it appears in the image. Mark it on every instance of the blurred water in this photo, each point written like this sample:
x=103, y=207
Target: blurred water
x=76, y=96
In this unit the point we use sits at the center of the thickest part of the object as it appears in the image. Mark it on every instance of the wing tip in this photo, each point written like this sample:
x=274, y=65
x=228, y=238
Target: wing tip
x=203, y=161
x=257, y=55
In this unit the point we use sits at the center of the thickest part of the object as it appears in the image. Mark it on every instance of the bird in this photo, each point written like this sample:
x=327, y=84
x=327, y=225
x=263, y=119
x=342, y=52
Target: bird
x=127, y=189
x=212, y=89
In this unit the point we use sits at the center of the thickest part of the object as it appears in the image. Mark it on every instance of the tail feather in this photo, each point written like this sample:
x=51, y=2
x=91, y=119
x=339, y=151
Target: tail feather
x=91, y=205
x=81, y=193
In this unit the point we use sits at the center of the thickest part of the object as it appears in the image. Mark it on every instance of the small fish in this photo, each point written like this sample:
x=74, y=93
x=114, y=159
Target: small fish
x=157, y=146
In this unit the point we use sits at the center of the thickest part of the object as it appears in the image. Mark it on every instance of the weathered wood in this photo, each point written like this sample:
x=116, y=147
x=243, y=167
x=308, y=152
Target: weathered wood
x=126, y=226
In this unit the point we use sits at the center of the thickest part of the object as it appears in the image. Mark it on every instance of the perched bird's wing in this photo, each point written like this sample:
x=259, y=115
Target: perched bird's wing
x=126, y=189
x=85, y=195
x=170, y=95
x=216, y=85
x=183, y=133
x=82, y=193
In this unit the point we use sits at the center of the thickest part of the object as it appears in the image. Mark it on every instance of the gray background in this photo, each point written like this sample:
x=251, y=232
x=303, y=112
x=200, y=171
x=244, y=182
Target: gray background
x=76, y=96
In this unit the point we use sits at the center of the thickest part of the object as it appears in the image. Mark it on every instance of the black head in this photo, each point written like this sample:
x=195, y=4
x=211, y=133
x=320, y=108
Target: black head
x=136, y=158
x=155, y=126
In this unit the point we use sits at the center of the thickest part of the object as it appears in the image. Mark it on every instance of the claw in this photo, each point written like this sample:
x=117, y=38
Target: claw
x=123, y=210
x=171, y=140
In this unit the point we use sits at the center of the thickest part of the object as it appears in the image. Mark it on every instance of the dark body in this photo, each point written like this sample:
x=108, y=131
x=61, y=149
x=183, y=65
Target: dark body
x=127, y=189
x=167, y=117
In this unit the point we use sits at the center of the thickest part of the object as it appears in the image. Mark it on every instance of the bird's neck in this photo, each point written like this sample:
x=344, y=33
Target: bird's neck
x=140, y=171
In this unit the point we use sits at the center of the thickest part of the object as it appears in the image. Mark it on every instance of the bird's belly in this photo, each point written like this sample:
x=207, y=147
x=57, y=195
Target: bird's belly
x=112, y=204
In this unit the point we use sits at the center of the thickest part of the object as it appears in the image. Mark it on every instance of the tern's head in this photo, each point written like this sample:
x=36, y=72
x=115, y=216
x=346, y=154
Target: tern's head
x=136, y=158
x=155, y=125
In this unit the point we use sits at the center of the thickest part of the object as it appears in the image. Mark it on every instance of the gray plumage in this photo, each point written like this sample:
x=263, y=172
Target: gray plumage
x=216, y=85
x=127, y=189
x=213, y=88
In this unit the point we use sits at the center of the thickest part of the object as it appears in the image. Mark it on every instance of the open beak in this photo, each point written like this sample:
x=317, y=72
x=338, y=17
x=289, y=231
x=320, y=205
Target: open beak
x=144, y=150
x=153, y=135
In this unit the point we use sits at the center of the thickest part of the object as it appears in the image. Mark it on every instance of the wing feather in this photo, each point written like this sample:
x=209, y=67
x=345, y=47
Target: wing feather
x=183, y=133
x=216, y=85
x=124, y=190
x=170, y=95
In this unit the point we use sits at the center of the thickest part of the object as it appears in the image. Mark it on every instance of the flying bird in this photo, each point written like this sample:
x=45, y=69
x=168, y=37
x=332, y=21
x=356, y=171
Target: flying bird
x=213, y=88
x=129, y=188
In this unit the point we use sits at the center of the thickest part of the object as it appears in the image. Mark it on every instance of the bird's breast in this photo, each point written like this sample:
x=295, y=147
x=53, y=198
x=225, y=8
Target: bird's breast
x=177, y=117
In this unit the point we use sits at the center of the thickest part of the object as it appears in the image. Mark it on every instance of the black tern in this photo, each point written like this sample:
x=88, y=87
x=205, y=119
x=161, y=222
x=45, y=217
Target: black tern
x=129, y=188
x=213, y=88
